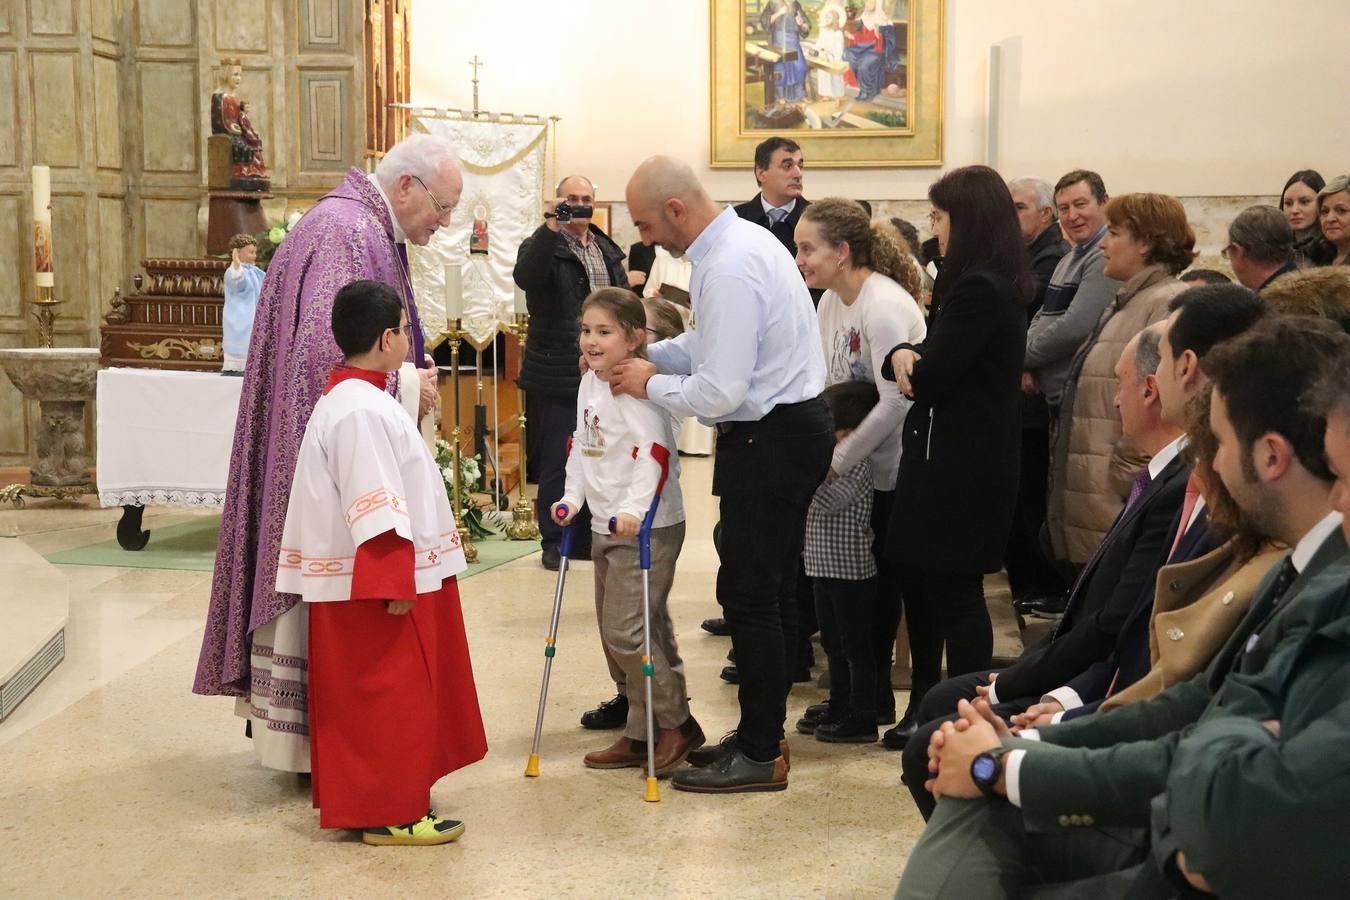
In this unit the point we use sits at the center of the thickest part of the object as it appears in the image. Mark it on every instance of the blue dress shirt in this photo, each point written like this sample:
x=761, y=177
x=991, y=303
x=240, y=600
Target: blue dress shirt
x=754, y=342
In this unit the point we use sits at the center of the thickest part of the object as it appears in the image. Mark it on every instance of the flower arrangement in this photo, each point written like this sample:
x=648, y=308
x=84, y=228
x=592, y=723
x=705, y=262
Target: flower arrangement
x=481, y=520
x=270, y=240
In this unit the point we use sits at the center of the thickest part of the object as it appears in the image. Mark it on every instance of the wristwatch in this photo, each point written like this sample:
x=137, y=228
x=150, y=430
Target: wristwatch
x=986, y=768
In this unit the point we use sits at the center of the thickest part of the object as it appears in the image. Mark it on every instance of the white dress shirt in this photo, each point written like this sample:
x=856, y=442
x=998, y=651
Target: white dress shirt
x=754, y=344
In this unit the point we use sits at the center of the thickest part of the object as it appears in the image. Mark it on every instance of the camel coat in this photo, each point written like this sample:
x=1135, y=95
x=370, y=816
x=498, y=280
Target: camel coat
x=1196, y=606
x=1092, y=464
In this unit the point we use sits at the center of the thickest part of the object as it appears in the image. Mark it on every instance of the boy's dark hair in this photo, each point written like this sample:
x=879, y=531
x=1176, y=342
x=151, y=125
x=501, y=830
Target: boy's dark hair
x=1264, y=377
x=1204, y=276
x=240, y=241
x=1210, y=314
x=850, y=402
x=362, y=311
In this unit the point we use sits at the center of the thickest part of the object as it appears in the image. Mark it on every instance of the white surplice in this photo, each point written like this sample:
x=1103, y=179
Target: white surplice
x=363, y=469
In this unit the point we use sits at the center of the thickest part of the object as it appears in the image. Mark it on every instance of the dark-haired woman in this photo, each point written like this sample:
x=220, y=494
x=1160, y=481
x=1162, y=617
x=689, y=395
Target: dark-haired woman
x=1298, y=202
x=961, y=439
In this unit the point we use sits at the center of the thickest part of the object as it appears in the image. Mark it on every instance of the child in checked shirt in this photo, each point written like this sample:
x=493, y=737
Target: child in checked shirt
x=838, y=557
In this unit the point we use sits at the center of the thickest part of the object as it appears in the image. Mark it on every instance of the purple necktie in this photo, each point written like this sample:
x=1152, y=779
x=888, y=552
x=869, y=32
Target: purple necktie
x=1137, y=486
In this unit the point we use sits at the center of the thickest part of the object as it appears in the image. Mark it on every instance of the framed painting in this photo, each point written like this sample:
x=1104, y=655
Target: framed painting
x=601, y=218
x=858, y=83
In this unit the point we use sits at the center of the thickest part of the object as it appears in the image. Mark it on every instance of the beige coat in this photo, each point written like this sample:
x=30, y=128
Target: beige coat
x=1093, y=464
x=1196, y=606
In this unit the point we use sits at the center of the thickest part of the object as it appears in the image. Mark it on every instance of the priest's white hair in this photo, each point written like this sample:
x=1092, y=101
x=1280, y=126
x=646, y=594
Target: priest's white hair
x=420, y=155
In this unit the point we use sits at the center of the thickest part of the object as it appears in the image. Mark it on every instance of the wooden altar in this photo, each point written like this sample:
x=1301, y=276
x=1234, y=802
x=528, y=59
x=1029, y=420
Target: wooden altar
x=173, y=321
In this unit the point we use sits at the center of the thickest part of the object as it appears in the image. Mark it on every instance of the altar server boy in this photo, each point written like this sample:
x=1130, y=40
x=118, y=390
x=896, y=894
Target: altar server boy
x=370, y=544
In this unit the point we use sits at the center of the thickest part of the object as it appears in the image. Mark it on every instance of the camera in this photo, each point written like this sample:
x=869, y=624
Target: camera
x=567, y=212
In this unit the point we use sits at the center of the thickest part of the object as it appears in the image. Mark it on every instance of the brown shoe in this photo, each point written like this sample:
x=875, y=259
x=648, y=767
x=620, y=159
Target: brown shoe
x=622, y=754
x=674, y=745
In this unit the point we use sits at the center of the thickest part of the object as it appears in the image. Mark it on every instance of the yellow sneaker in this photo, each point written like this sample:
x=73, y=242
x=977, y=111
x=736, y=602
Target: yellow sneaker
x=425, y=832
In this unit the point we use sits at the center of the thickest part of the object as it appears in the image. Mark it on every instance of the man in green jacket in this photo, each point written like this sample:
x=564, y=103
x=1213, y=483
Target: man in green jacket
x=1290, y=774
x=1079, y=796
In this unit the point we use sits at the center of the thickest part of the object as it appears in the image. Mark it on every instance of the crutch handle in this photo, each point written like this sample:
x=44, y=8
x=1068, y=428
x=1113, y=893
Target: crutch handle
x=565, y=544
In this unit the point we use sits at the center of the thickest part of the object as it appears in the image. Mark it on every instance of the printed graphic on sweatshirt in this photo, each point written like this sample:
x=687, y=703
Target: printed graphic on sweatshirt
x=592, y=435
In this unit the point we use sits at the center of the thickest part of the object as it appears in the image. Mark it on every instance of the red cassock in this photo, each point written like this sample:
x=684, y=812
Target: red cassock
x=392, y=702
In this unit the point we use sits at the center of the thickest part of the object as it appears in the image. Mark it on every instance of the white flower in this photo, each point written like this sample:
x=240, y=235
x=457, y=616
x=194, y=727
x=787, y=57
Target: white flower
x=292, y=219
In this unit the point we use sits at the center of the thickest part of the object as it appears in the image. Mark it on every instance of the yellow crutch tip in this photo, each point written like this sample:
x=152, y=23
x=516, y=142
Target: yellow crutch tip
x=653, y=792
x=532, y=767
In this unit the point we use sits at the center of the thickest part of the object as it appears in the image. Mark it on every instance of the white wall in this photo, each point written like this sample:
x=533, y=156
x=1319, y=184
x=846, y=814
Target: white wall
x=1194, y=99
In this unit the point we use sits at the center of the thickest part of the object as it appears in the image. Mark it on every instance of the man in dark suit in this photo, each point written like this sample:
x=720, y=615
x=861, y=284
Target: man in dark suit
x=1108, y=588
x=1081, y=795
x=1199, y=318
x=779, y=203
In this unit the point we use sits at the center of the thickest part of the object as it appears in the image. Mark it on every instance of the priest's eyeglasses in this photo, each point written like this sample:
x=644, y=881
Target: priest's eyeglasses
x=442, y=211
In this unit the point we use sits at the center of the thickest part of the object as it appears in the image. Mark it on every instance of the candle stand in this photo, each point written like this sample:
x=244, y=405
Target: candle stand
x=523, y=526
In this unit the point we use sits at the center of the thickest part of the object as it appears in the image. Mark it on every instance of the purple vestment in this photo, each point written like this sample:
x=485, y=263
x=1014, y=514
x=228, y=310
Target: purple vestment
x=346, y=237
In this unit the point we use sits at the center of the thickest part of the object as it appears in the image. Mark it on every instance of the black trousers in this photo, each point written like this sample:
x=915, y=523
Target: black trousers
x=764, y=475
x=844, y=609
x=887, y=602
x=554, y=420
x=938, y=706
x=1030, y=570
x=945, y=609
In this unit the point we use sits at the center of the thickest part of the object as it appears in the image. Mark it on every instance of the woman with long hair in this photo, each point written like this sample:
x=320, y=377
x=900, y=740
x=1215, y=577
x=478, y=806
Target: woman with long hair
x=961, y=439
x=1298, y=202
x=868, y=307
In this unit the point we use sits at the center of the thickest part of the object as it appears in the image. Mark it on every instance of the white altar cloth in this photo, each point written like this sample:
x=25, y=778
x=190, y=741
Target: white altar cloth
x=164, y=437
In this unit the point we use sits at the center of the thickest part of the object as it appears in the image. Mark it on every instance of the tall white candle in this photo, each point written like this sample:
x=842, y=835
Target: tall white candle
x=519, y=307
x=454, y=293
x=42, y=226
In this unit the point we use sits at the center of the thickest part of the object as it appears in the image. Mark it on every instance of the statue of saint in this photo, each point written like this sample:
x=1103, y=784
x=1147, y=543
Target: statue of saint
x=229, y=116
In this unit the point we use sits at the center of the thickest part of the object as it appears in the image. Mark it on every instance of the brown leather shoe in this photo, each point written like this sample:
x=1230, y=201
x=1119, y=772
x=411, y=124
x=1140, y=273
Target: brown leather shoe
x=622, y=754
x=674, y=745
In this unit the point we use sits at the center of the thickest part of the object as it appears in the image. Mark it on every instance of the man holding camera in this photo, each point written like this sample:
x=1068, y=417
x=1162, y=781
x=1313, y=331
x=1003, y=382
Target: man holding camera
x=558, y=266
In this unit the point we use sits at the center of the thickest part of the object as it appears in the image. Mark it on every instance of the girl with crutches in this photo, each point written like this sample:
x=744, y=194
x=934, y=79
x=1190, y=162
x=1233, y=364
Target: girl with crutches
x=621, y=460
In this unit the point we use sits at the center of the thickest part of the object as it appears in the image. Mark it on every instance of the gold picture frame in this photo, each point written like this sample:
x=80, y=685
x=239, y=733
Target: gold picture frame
x=898, y=125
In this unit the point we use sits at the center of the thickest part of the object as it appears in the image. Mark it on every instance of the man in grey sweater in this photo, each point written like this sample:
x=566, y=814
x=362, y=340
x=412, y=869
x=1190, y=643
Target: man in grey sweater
x=1078, y=293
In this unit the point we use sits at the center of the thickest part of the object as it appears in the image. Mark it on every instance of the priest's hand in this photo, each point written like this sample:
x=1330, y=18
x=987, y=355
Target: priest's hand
x=399, y=607
x=626, y=525
x=562, y=513
x=637, y=279
x=427, y=396
x=630, y=377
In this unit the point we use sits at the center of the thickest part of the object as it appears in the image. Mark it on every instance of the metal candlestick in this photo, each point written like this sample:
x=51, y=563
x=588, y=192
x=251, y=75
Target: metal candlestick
x=44, y=310
x=456, y=336
x=523, y=526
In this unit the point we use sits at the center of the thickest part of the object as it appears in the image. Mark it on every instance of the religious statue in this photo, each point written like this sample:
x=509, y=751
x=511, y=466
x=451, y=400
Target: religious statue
x=243, y=284
x=478, y=236
x=229, y=116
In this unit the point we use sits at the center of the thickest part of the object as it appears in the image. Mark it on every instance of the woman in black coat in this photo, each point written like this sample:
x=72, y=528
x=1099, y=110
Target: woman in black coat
x=961, y=439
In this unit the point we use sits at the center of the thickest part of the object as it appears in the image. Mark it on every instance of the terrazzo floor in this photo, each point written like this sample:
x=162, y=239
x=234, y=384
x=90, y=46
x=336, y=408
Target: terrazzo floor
x=117, y=781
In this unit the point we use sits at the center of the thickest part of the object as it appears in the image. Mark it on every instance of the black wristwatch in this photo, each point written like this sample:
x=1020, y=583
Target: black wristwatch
x=986, y=768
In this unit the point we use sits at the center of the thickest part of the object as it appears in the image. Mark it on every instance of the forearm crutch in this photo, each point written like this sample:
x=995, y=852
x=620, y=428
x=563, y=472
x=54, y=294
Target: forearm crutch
x=565, y=548
x=653, y=793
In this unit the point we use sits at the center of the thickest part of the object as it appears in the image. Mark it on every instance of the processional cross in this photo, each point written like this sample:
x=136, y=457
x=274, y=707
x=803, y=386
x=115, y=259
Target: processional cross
x=475, y=62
